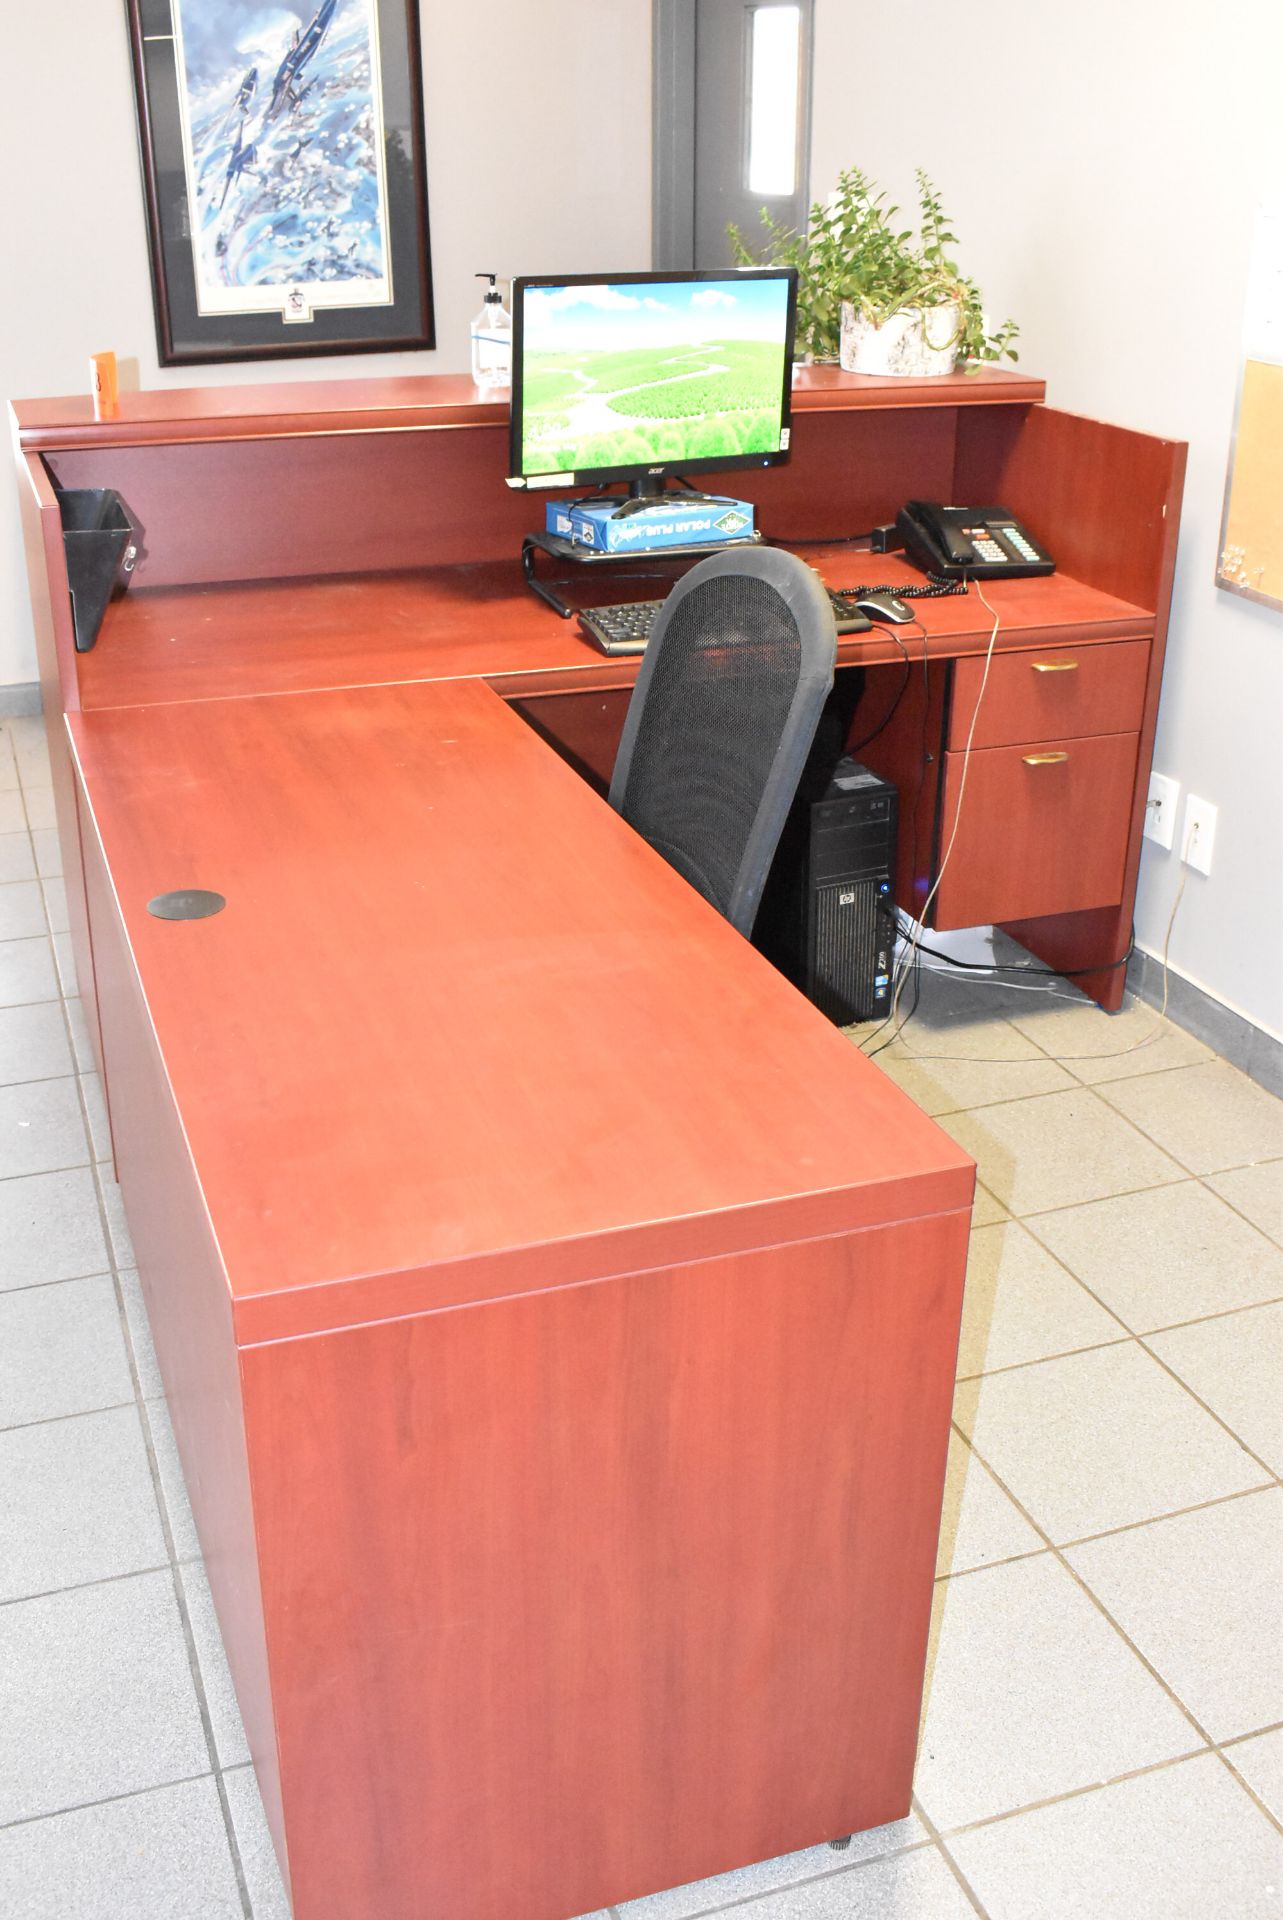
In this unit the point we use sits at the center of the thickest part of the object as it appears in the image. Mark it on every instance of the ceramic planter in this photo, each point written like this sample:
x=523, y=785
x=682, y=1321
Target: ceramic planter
x=912, y=342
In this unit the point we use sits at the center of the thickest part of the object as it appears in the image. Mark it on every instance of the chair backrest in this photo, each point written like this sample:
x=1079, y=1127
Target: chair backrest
x=739, y=661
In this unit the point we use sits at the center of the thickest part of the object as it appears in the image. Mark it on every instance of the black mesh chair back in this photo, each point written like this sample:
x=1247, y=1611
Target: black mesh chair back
x=735, y=673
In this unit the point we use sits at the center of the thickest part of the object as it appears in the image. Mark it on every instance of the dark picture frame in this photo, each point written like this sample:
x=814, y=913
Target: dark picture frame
x=285, y=189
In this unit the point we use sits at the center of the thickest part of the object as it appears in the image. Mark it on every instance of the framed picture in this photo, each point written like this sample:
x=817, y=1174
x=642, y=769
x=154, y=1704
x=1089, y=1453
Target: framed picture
x=283, y=167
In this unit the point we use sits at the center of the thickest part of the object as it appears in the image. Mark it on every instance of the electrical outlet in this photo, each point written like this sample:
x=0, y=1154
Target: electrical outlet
x=1160, y=810
x=1198, y=834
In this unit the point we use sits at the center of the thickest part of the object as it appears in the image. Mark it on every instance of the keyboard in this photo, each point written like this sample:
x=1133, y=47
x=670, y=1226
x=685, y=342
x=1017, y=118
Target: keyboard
x=626, y=628
x=621, y=629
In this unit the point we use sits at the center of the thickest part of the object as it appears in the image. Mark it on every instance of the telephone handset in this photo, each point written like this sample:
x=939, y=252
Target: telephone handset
x=970, y=543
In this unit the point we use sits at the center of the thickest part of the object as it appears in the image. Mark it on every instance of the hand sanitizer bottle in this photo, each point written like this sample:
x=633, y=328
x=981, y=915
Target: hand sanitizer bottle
x=492, y=339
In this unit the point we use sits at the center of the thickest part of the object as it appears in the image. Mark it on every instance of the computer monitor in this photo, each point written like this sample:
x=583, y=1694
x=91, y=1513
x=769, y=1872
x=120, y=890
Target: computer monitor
x=643, y=376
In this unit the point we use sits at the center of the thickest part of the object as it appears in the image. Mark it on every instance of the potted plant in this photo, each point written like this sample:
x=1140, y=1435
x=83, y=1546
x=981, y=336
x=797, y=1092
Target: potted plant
x=881, y=298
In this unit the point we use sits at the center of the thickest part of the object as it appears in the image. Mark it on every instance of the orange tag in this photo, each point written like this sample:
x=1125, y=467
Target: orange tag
x=102, y=376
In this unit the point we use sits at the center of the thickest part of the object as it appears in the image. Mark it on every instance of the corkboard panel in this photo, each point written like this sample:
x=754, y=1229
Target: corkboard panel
x=1251, y=557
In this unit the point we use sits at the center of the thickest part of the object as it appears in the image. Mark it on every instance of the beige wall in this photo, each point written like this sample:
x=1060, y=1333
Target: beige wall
x=538, y=161
x=1101, y=163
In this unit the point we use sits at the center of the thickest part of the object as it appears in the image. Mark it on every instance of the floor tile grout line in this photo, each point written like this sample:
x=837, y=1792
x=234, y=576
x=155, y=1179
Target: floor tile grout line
x=1043, y=1359
x=807, y=1880
x=1130, y=1193
x=1063, y=1264
x=1109, y=1533
x=1095, y=1600
x=1221, y=1422
x=1067, y=1061
x=1127, y=1333
x=107, y=1800
x=167, y=1530
x=1273, y=1818
x=1195, y=1173
x=50, y=1000
x=59, y=1280
x=1187, y=1171
x=1067, y=1206
x=1163, y=1020
x=185, y=1622
x=1275, y=1726
x=34, y=1080
x=56, y=1419
x=1203, y=1319
x=1133, y=1773
x=42, y=1079
x=984, y=1566
x=38, y=1173
x=1139, y=1340
x=953, y=1866
x=1013, y=1099
x=87, y=1586
x=1205, y=1180
x=1074, y=1793
x=1023, y=1366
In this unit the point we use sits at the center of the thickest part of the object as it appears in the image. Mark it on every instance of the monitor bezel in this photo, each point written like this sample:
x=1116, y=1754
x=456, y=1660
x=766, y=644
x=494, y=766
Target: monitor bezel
x=646, y=470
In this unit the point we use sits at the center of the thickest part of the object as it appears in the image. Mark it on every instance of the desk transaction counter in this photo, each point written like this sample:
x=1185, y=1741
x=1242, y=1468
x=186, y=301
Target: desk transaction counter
x=558, y=1316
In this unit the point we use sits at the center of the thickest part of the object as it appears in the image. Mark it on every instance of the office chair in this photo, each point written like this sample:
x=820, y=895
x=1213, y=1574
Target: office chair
x=735, y=673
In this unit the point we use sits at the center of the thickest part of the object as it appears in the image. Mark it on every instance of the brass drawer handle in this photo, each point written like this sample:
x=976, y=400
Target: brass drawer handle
x=1043, y=759
x=1055, y=666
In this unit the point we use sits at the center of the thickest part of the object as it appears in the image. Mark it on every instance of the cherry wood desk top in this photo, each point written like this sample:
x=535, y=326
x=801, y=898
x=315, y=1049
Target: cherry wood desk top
x=459, y=1032
x=276, y=636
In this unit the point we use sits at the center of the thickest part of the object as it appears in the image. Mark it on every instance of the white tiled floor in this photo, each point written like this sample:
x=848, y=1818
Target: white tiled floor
x=1103, y=1730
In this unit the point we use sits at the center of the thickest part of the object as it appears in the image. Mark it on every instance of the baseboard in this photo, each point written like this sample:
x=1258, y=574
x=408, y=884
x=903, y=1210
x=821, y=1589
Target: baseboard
x=16, y=702
x=1230, y=1034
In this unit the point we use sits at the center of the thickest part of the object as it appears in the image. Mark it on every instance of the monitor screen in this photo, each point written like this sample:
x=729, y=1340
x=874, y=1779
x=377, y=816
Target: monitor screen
x=650, y=373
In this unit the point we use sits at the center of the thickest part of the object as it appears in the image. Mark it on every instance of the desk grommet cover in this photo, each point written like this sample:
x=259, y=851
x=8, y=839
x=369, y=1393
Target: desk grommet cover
x=186, y=903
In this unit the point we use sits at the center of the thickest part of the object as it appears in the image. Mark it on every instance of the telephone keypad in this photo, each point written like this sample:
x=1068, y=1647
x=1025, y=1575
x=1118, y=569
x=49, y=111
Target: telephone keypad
x=1018, y=541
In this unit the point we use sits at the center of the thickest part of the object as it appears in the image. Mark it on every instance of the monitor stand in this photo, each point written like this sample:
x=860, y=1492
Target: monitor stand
x=650, y=491
x=560, y=549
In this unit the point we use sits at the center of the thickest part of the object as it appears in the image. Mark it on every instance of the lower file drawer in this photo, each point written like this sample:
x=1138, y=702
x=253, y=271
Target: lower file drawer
x=1043, y=829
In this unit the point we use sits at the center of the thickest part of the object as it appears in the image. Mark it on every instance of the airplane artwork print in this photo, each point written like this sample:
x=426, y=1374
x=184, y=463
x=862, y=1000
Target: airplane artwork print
x=284, y=149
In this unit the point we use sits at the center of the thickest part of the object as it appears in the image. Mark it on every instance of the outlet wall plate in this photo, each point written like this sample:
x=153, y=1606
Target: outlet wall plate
x=1160, y=812
x=1198, y=834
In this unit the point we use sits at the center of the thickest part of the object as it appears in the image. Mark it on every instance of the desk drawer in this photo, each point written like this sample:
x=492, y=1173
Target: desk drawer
x=1058, y=693
x=1043, y=830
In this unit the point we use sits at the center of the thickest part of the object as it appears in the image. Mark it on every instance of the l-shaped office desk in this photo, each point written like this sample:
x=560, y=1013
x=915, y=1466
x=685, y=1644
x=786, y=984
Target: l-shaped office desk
x=557, y=1315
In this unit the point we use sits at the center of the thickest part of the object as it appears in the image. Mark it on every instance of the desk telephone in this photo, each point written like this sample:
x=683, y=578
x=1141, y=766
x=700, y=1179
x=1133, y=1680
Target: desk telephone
x=970, y=543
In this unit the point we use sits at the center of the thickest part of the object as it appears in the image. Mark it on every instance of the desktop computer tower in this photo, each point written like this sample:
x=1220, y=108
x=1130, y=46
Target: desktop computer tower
x=827, y=919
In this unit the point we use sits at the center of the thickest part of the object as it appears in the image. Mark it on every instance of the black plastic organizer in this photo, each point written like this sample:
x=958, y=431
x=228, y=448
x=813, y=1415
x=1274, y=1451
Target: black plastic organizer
x=100, y=541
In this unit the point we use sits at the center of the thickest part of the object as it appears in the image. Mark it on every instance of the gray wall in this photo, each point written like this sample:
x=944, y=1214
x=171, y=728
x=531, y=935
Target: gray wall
x=1102, y=163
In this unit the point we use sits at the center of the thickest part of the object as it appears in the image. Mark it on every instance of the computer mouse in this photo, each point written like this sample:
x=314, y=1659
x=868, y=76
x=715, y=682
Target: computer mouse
x=886, y=606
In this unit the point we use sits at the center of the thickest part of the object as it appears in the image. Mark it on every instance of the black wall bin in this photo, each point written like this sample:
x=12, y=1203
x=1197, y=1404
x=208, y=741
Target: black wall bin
x=100, y=542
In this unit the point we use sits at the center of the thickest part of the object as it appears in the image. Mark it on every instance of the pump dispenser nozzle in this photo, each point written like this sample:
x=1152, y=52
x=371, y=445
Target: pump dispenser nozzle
x=491, y=338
